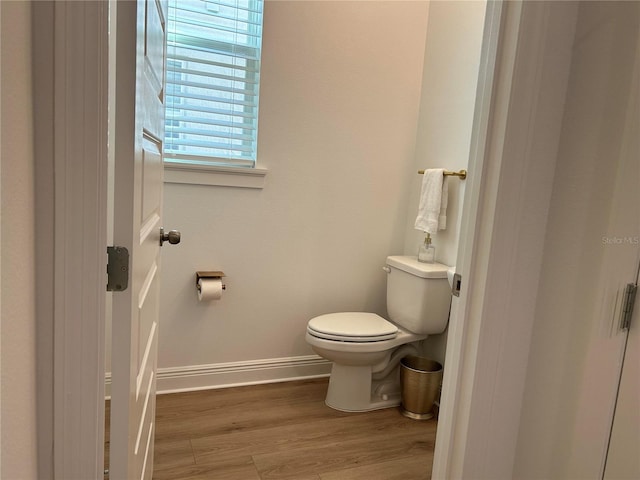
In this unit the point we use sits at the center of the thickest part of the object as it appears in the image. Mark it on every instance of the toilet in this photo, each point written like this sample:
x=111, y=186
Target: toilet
x=366, y=349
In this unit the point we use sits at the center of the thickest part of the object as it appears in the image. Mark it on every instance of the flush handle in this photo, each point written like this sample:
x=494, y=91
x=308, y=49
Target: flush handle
x=386, y=269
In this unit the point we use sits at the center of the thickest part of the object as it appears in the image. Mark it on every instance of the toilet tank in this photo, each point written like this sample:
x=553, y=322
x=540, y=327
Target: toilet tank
x=418, y=295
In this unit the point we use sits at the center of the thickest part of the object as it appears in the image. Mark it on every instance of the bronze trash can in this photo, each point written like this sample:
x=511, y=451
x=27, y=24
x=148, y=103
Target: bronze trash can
x=420, y=380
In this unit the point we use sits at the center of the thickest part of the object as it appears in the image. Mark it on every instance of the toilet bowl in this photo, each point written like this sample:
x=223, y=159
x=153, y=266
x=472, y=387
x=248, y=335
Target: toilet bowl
x=366, y=349
x=353, y=384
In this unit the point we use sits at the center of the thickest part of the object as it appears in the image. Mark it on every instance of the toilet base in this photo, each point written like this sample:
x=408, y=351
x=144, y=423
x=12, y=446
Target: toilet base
x=351, y=389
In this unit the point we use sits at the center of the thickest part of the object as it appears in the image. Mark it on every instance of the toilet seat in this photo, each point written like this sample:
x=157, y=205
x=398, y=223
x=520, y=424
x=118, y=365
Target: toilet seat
x=352, y=327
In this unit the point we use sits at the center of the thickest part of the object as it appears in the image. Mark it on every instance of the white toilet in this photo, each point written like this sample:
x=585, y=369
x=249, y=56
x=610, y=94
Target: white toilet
x=366, y=349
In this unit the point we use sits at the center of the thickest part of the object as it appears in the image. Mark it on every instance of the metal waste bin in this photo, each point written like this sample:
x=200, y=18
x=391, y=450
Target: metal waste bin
x=420, y=380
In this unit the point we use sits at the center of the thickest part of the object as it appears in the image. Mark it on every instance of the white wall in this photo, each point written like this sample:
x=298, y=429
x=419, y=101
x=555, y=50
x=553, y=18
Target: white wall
x=340, y=93
x=569, y=383
x=443, y=140
x=18, y=355
x=451, y=64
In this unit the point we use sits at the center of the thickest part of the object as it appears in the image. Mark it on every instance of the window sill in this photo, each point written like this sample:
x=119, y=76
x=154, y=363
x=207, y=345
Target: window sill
x=215, y=176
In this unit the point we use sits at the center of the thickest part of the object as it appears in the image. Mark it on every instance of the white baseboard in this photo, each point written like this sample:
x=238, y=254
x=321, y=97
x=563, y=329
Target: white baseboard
x=233, y=374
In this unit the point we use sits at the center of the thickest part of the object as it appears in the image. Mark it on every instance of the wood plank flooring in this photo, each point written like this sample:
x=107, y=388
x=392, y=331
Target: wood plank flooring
x=284, y=431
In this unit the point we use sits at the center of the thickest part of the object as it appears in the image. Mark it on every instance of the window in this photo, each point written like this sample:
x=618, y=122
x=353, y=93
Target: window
x=213, y=78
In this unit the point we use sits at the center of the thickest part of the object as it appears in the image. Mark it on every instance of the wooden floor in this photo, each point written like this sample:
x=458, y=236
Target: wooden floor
x=284, y=431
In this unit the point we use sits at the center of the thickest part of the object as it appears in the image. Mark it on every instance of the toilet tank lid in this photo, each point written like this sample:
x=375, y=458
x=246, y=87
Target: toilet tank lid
x=413, y=266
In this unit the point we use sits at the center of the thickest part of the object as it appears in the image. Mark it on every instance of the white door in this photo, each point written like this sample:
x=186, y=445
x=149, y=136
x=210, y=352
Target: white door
x=139, y=128
x=623, y=461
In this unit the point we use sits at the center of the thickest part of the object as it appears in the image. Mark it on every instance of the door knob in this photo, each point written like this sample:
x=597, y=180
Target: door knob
x=173, y=236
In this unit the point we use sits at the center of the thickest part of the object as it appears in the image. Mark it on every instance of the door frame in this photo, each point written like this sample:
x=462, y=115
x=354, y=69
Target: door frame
x=79, y=239
x=509, y=179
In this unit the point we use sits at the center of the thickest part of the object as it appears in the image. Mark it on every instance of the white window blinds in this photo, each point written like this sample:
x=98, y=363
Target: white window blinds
x=213, y=78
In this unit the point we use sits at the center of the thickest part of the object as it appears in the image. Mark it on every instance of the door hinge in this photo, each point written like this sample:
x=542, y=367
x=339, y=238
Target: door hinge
x=117, y=269
x=628, y=301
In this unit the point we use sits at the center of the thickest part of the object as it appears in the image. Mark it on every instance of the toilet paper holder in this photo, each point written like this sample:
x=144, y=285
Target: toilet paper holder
x=214, y=274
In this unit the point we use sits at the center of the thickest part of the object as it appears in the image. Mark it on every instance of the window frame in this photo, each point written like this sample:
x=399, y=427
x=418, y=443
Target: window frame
x=187, y=167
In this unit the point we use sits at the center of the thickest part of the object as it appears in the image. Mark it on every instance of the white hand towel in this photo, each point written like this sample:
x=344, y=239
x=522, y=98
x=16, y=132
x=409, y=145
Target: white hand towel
x=442, y=219
x=430, y=201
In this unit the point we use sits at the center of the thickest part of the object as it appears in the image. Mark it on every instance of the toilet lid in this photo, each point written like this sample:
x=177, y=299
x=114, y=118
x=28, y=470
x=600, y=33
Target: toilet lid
x=352, y=327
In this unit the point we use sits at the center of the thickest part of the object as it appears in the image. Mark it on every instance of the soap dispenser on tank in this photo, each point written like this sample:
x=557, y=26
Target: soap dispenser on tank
x=427, y=252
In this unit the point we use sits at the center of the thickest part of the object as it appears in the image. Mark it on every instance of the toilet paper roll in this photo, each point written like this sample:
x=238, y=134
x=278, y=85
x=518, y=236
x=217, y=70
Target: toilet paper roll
x=209, y=289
